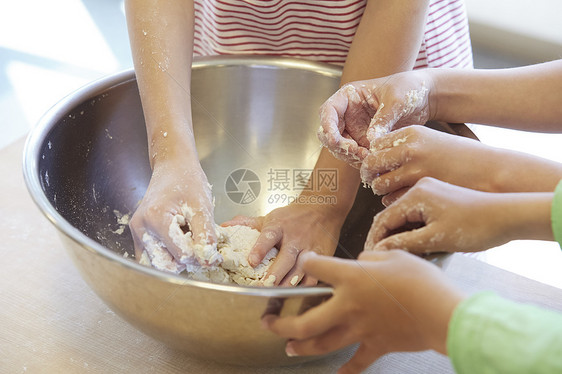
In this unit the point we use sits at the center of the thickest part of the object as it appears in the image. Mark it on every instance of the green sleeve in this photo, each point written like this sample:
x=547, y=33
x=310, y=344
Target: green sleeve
x=489, y=334
x=556, y=214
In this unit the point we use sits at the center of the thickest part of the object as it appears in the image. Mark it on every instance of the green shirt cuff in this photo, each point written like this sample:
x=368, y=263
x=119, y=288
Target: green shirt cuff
x=489, y=334
x=556, y=214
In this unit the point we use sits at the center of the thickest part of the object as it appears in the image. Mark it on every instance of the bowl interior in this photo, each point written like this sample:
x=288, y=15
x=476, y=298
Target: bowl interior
x=255, y=125
x=255, y=122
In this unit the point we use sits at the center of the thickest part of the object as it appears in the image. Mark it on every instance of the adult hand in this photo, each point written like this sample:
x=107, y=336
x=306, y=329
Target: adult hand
x=294, y=229
x=178, y=195
x=360, y=112
x=385, y=301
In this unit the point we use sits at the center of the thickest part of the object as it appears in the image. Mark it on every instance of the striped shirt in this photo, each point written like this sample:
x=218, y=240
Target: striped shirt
x=319, y=30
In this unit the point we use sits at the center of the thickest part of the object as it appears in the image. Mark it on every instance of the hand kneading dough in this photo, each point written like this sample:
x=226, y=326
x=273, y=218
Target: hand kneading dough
x=234, y=245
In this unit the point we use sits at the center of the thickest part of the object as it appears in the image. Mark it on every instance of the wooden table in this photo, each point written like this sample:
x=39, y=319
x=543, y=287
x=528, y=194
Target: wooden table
x=51, y=322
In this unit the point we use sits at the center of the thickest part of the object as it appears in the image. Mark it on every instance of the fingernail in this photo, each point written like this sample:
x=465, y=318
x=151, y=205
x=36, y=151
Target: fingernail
x=289, y=351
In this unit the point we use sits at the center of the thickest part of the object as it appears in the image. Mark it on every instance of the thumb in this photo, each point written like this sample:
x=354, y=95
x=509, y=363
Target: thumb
x=390, y=198
x=253, y=222
x=382, y=123
x=422, y=240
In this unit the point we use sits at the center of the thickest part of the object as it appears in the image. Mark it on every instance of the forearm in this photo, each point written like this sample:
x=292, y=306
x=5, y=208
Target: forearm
x=344, y=187
x=526, y=98
x=513, y=171
x=525, y=216
x=161, y=40
x=387, y=41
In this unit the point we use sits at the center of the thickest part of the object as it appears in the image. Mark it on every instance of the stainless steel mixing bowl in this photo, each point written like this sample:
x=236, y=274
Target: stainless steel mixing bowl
x=86, y=164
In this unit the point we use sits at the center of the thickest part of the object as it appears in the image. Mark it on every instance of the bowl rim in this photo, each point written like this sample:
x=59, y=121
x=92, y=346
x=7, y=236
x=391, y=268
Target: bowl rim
x=59, y=110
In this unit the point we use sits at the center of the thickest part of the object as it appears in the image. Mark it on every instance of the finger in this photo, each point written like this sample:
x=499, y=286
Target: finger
x=137, y=231
x=295, y=275
x=161, y=232
x=362, y=359
x=349, y=148
x=423, y=240
x=379, y=163
x=137, y=242
x=332, y=111
x=382, y=123
x=286, y=259
x=292, y=278
x=158, y=256
x=383, y=161
x=203, y=227
x=324, y=267
x=253, y=222
x=269, y=237
x=331, y=119
x=390, y=140
x=361, y=148
x=308, y=281
x=396, y=216
x=373, y=256
x=389, y=199
x=403, y=177
x=336, y=338
x=313, y=322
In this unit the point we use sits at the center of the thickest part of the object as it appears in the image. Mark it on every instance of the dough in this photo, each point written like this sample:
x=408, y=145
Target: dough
x=230, y=260
x=234, y=245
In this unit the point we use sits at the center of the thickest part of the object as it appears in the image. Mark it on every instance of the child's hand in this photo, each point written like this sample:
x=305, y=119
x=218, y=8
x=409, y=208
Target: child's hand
x=386, y=301
x=454, y=218
x=401, y=158
x=360, y=112
x=173, y=184
x=294, y=229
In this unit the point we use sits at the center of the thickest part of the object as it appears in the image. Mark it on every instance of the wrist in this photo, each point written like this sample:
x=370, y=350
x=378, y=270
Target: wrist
x=325, y=206
x=513, y=166
x=433, y=95
x=168, y=147
x=527, y=216
x=446, y=93
x=336, y=183
x=439, y=334
x=178, y=164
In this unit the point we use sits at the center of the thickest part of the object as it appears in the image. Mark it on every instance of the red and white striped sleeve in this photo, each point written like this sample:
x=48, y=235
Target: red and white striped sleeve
x=318, y=30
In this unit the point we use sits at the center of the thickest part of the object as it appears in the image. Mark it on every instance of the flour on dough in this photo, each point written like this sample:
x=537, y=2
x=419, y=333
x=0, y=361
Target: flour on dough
x=233, y=246
x=194, y=252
